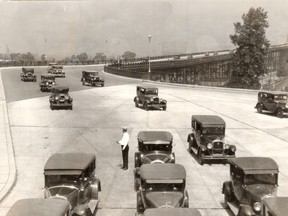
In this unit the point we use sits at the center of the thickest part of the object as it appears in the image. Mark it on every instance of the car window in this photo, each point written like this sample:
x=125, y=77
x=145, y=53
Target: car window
x=213, y=130
x=260, y=179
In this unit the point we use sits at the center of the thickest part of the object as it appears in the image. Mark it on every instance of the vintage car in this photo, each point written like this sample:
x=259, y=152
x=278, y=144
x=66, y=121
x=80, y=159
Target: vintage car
x=161, y=186
x=252, y=179
x=47, y=82
x=28, y=75
x=57, y=70
x=154, y=147
x=148, y=98
x=92, y=78
x=60, y=98
x=275, y=206
x=171, y=212
x=49, y=70
x=40, y=207
x=273, y=102
x=207, y=140
x=71, y=176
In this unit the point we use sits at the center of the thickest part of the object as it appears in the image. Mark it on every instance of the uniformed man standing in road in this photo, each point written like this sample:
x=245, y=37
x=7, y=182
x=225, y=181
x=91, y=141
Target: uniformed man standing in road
x=124, y=143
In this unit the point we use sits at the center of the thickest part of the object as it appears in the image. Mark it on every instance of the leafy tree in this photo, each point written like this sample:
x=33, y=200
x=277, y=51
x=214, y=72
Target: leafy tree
x=100, y=56
x=248, y=62
x=128, y=55
x=82, y=57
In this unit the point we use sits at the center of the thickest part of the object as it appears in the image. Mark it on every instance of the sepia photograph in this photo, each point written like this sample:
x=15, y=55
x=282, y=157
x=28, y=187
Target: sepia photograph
x=143, y=108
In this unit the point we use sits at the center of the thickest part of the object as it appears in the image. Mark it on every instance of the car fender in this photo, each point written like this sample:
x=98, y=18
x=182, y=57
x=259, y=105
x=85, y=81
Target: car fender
x=137, y=159
x=95, y=188
x=226, y=188
x=245, y=210
x=186, y=200
x=190, y=137
x=136, y=99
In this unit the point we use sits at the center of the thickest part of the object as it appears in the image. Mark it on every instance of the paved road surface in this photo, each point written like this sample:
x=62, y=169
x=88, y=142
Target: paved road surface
x=95, y=123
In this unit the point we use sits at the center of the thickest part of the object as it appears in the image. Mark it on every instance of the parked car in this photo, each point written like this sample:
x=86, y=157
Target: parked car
x=252, y=179
x=92, y=78
x=161, y=186
x=207, y=140
x=58, y=70
x=275, y=206
x=40, y=207
x=71, y=176
x=60, y=98
x=49, y=70
x=28, y=75
x=148, y=98
x=172, y=212
x=47, y=82
x=154, y=147
x=273, y=102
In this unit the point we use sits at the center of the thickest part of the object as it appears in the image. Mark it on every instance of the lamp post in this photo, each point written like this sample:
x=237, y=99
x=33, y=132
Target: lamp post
x=149, y=66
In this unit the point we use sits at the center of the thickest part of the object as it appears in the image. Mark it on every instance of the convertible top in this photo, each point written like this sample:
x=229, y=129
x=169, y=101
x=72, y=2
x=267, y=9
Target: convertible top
x=209, y=120
x=277, y=205
x=155, y=137
x=68, y=163
x=172, y=212
x=160, y=172
x=39, y=207
x=255, y=165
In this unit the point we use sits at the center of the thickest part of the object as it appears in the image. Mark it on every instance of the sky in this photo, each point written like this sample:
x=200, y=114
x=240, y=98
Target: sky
x=63, y=28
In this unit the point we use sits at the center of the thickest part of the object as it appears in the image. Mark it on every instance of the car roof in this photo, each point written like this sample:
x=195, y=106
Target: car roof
x=72, y=163
x=277, y=205
x=60, y=88
x=90, y=72
x=155, y=137
x=209, y=120
x=27, y=69
x=273, y=93
x=48, y=75
x=39, y=207
x=57, y=65
x=255, y=165
x=147, y=87
x=160, y=171
x=172, y=212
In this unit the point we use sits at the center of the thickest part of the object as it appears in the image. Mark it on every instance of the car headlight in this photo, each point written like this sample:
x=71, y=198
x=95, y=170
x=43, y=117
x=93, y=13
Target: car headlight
x=233, y=148
x=257, y=206
x=286, y=105
x=151, y=99
x=226, y=146
x=209, y=146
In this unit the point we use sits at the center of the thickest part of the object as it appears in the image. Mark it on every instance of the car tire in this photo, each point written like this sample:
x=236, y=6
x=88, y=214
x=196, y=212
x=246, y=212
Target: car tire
x=140, y=206
x=164, y=108
x=137, y=182
x=279, y=113
x=136, y=104
x=145, y=106
x=51, y=107
x=200, y=156
x=259, y=108
x=102, y=85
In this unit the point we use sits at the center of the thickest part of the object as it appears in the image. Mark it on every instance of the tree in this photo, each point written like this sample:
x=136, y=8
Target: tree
x=100, y=56
x=82, y=57
x=128, y=55
x=248, y=62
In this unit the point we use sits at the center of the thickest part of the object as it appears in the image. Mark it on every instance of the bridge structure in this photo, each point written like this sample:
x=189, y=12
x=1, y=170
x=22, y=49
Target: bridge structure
x=204, y=68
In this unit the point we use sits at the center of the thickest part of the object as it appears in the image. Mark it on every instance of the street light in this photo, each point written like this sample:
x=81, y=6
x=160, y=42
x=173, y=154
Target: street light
x=149, y=66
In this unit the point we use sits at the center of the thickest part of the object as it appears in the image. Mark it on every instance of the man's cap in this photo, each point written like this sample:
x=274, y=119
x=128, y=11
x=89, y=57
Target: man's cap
x=125, y=128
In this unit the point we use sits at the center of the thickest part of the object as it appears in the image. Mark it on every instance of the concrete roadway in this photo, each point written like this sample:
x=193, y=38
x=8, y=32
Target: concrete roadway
x=95, y=123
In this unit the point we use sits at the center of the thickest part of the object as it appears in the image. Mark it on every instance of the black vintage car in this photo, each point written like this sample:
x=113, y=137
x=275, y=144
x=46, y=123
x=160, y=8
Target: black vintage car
x=92, y=78
x=71, y=176
x=148, y=98
x=60, y=98
x=207, y=140
x=49, y=69
x=161, y=186
x=272, y=102
x=172, y=212
x=252, y=180
x=57, y=70
x=154, y=147
x=40, y=207
x=47, y=82
x=28, y=75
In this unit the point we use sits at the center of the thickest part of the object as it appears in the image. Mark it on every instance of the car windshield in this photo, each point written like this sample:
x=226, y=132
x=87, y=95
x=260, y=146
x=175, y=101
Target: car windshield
x=213, y=130
x=61, y=179
x=280, y=97
x=151, y=91
x=260, y=179
x=156, y=147
x=163, y=187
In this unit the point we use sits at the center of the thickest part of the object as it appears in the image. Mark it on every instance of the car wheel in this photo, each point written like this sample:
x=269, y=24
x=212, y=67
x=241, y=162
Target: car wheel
x=52, y=108
x=140, y=206
x=145, y=106
x=102, y=85
x=259, y=108
x=83, y=83
x=136, y=104
x=164, y=108
x=279, y=113
x=200, y=156
x=136, y=184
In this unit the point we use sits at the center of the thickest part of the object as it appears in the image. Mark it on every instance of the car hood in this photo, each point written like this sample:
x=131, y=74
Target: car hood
x=259, y=191
x=156, y=157
x=164, y=199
